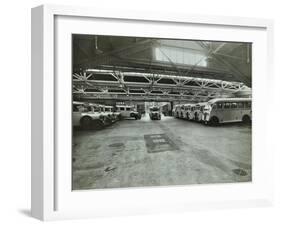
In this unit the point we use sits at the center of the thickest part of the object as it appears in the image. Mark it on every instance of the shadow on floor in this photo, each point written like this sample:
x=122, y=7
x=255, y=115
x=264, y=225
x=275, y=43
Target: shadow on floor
x=25, y=212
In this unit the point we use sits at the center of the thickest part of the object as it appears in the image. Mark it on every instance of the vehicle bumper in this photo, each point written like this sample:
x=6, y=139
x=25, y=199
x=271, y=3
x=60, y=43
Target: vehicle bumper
x=154, y=116
x=206, y=117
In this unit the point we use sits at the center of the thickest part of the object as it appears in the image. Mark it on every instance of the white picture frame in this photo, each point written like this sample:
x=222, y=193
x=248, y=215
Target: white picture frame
x=52, y=197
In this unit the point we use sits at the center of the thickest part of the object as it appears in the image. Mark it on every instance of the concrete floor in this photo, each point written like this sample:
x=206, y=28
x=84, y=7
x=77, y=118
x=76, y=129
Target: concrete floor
x=172, y=151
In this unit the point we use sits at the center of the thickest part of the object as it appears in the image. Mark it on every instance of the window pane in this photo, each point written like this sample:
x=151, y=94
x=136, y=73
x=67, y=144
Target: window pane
x=240, y=105
x=219, y=105
x=180, y=56
x=226, y=105
x=248, y=104
x=75, y=108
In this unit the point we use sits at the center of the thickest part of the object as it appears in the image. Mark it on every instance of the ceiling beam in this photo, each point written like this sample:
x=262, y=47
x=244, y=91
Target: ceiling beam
x=236, y=72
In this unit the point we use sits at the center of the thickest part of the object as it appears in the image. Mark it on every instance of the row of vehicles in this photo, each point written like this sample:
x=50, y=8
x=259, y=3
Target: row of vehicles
x=216, y=111
x=89, y=115
x=189, y=111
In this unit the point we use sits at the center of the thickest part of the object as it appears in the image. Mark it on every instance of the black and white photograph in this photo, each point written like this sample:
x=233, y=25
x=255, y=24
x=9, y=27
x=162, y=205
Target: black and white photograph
x=160, y=112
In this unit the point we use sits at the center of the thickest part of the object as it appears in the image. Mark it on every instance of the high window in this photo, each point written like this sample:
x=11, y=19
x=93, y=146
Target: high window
x=180, y=56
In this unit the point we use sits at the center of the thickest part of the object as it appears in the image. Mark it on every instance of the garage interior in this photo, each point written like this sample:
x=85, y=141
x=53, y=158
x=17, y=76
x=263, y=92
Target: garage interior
x=145, y=72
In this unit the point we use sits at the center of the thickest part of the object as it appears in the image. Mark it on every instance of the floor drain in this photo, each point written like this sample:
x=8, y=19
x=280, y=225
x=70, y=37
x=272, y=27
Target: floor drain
x=109, y=169
x=240, y=172
x=116, y=145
